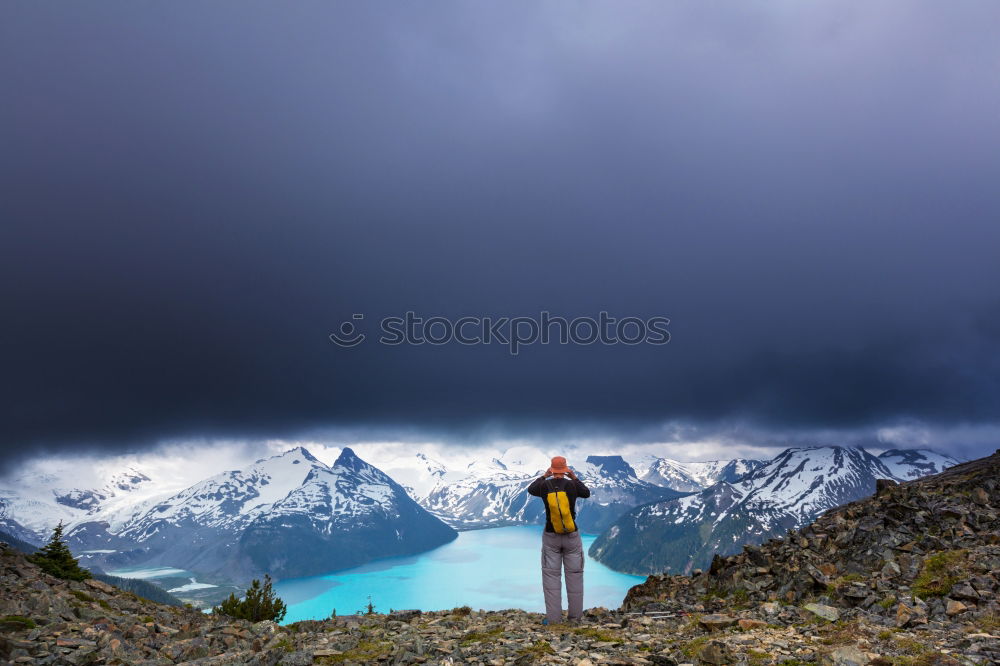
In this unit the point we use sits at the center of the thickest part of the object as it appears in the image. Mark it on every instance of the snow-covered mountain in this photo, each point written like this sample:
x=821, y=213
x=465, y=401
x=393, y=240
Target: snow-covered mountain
x=465, y=488
x=615, y=488
x=231, y=520
x=486, y=494
x=229, y=500
x=338, y=517
x=667, y=473
x=908, y=464
x=37, y=501
x=711, y=472
x=787, y=492
x=418, y=474
x=694, y=476
x=289, y=515
x=490, y=494
x=12, y=528
x=120, y=484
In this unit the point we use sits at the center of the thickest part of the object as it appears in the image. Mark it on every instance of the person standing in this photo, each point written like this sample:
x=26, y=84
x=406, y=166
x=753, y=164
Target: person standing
x=561, y=544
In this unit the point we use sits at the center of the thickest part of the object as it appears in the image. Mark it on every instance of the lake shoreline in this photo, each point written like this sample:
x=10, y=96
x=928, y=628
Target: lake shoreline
x=486, y=569
x=509, y=556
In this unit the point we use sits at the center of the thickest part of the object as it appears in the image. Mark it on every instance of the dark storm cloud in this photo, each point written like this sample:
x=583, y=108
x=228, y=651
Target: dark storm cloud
x=196, y=194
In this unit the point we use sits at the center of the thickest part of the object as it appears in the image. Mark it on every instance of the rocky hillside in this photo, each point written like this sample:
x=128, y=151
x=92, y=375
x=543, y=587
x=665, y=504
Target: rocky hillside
x=917, y=566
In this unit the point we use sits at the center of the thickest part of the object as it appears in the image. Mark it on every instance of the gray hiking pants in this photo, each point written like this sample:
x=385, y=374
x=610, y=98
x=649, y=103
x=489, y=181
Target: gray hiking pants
x=559, y=550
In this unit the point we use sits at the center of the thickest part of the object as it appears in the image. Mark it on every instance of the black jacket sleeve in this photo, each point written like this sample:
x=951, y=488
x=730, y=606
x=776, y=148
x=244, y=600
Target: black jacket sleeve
x=581, y=490
x=536, y=487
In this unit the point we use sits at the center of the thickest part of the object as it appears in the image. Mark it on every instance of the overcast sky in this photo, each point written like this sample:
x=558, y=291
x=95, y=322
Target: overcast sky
x=195, y=195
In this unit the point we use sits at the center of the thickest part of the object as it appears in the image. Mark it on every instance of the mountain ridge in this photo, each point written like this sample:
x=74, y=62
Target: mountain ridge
x=227, y=522
x=786, y=492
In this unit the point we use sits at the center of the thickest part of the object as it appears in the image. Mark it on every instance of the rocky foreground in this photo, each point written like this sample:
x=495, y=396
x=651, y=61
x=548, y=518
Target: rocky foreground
x=908, y=577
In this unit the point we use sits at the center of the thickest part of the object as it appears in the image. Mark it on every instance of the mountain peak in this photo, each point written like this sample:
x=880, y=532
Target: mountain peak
x=910, y=453
x=908, y=464
x=349, y=459
x=614, y=466
x=304, y=452
x=294, y=455
x=806, y=448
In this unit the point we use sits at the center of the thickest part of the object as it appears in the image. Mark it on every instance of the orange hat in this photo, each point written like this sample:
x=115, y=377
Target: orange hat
x=558, y=465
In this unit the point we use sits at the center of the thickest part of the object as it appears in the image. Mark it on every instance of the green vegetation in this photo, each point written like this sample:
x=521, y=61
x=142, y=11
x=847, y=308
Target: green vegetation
x=285, y=644
x=757, y=658
x=842, y=632
x=737, y=597
x=260, y=603
x=536, y=650
x=597, y=634
x=840, y=583
x=713, y=592
x=487, y=636
x=888, y=602
x=461, y=611
x=691, y=648
x=55, y=558
x=694, y=621
x=369, y=607
x=939, y=573
x=988, y=623
x=365, y=652
x=300, y=626
x=911, y=646
x=926, y=659
x=83, y=596
x=16, y=623
x=915, y=652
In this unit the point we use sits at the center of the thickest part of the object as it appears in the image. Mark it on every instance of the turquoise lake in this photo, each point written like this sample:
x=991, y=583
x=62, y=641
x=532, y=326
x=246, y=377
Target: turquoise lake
x=486, y=569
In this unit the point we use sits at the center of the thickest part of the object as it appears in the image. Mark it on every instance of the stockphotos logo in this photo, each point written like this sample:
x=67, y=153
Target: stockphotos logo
x=514, y=332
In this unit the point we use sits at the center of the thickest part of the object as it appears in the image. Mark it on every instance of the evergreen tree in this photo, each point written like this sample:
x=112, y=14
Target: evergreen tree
x=260, y=603
x=56, y=559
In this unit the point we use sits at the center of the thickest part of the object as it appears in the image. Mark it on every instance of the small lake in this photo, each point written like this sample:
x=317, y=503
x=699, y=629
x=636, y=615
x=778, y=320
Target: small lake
x=181, y=583
x=489, y=569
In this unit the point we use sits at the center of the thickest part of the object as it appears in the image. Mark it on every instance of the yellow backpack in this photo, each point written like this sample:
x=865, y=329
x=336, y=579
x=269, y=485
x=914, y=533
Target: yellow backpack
x=559, y=514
